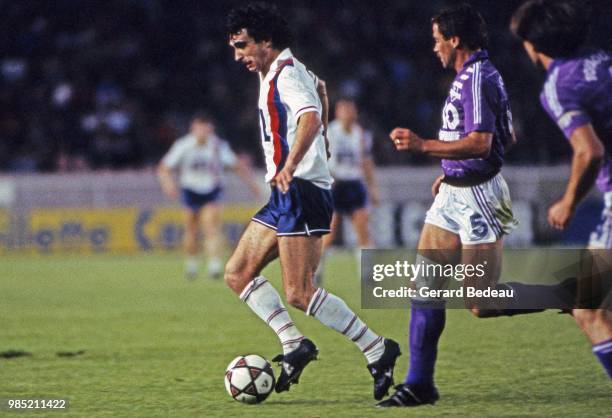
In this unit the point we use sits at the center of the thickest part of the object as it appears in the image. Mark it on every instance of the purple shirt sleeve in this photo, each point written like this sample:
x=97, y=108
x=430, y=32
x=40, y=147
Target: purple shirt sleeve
x=561, y=100
x=479, y=100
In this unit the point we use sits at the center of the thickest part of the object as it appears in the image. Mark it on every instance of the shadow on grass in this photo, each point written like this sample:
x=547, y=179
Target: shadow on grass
x=313, y=402
x=9, y=354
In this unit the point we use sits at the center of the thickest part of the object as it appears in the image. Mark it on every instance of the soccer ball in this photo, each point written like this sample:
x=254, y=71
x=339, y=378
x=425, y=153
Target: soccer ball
x=249, y=379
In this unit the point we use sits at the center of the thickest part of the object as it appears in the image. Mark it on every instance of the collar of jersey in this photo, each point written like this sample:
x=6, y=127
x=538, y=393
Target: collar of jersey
x=284, y=55
x=476, y=56
x=582, y=52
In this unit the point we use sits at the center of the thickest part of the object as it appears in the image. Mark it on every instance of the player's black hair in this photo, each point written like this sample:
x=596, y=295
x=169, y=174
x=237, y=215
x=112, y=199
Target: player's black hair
x=346, y=98
x=263, y=22
x=464, y=22
x=557, y=28
x=201, y=116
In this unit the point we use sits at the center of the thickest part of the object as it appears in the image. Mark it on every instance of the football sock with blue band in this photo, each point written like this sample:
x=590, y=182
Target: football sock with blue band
x=603, y=351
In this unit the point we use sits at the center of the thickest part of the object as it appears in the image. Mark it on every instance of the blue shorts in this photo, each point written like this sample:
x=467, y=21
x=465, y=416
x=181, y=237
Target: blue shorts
x=349, y=195
x=195, y=201
x=304, y=210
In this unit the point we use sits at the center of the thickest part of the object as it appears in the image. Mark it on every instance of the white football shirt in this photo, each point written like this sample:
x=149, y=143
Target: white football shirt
x=287, y=92
x=200, y=166
x=348, y=150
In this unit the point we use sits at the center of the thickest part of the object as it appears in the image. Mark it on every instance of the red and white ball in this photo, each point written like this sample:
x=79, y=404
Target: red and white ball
x=249, y=379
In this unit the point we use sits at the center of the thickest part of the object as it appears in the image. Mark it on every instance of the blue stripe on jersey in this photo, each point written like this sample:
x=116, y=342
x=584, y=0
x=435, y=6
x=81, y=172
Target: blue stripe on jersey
x=282, y=122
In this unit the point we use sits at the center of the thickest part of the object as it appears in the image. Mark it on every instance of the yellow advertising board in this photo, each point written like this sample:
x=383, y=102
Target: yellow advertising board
x=128, y=229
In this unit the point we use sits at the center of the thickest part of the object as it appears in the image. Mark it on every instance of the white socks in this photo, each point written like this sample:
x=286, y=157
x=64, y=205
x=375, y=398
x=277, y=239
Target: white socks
x=265, y=301
x=334, y=313
x=214, y=266
x=192, y=264
x=329, y=309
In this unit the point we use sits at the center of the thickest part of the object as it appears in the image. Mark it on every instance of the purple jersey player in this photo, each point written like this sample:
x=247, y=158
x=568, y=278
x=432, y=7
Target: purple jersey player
x=472, y=210
x=578, y=97
x=578, y=93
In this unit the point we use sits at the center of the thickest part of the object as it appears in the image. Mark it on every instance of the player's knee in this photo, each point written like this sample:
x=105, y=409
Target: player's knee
x=234, y=277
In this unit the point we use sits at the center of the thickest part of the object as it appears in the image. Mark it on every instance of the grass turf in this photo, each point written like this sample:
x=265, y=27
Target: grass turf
x=157, y=345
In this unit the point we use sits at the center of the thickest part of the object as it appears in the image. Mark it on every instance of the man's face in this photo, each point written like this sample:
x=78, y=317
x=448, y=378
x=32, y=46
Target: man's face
x=201, y=129
x=445, y=49
x=248, y=52
x=346, y=111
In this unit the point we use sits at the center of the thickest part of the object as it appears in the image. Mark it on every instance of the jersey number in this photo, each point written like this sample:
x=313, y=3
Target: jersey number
x=450, y=116
x=265, y=136
x=479, y=226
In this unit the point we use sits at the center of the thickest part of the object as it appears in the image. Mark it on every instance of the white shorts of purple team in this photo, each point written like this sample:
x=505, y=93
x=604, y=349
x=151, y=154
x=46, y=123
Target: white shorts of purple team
x=601, y=237
x=479, y=214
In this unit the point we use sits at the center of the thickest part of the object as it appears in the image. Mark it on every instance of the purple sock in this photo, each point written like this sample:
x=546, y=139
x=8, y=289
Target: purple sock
x=426, y=326
x=603, y=351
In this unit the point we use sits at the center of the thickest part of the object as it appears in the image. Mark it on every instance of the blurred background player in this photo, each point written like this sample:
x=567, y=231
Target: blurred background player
x=577, y=95
x=200, y=157
x=352, y=167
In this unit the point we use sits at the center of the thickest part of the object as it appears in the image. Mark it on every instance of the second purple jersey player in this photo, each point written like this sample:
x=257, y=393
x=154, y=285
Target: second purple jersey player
x=578, y=93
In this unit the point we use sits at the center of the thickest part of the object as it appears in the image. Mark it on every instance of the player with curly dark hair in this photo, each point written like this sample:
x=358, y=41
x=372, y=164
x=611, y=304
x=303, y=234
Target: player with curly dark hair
x=293, y=121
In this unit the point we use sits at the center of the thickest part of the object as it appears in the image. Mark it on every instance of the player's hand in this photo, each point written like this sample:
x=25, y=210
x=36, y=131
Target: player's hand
x=406, y=140
x=283, y=179
x=560, y=214
x=435, y=187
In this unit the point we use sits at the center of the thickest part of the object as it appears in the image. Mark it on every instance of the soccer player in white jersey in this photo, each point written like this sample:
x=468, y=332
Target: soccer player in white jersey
x=200, y=158
x=352, y=168
x=299, y=212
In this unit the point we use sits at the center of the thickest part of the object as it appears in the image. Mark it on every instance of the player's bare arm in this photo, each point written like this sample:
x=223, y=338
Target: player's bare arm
x=586, y=162
x=166, y=180
x=307, y=129
x=474, y=145
x=322, y=92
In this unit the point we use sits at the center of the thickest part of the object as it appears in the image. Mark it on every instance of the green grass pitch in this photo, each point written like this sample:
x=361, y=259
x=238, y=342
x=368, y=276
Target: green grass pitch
x=157, y=345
